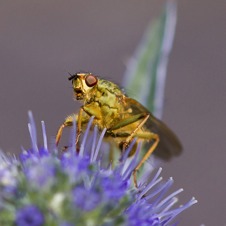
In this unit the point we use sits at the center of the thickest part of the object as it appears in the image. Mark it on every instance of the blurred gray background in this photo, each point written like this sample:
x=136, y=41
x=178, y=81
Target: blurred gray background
x=40, y=41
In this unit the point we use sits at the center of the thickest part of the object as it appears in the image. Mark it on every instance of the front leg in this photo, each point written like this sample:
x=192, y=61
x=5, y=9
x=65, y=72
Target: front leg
x=68, y=122
x=81, y=119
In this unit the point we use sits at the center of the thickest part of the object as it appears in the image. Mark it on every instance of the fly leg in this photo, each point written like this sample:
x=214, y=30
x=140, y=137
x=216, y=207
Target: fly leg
x=154, y=137
x=129, y=136
x=80, y=119
x=79, y=127
x=68, y=122
x=136, y=133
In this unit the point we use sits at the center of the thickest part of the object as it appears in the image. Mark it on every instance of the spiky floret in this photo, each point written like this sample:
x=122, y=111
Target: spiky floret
x=44, y=187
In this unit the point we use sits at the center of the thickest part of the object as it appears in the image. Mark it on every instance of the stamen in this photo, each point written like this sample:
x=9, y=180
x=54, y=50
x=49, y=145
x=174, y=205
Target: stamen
x=32, y=131
x=85, y=136
x=98, y=145
x=94, y=142
x=44, y=135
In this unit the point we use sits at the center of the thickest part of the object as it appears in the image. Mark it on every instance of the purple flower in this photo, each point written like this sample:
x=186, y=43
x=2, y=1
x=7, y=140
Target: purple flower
x=75, y=166
x=114, y=187
x=29, y=216
x=86, y=199
x=140, y=214
x=40, y=173
x=27, y=155
x=77, y=189
x=8, y=175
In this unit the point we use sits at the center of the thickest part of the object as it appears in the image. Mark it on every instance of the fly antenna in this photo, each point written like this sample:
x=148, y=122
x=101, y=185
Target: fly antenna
x=72, y=76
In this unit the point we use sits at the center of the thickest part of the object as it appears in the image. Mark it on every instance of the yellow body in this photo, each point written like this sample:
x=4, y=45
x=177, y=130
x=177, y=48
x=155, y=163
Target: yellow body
x=123, y=117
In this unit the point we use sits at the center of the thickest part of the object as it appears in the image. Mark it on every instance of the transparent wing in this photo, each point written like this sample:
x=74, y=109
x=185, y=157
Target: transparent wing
x=169, y=144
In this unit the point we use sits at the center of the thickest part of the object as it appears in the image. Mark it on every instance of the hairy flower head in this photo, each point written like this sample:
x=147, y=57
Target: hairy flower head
x=46, y=187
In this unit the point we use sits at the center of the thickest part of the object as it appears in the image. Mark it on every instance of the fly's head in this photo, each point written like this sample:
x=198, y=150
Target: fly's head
x=83, y=85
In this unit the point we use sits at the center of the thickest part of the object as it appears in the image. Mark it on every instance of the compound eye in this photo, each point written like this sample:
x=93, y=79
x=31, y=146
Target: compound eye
x=91, y=80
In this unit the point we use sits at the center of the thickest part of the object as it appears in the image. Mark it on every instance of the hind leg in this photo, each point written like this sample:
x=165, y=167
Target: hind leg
x=155, y=137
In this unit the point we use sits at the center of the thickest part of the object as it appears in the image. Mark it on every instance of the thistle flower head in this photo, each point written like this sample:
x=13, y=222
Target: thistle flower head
x=29, y=215
x=45, y=187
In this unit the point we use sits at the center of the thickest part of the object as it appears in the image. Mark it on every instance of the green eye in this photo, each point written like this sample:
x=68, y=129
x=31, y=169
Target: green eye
x=91, y=80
